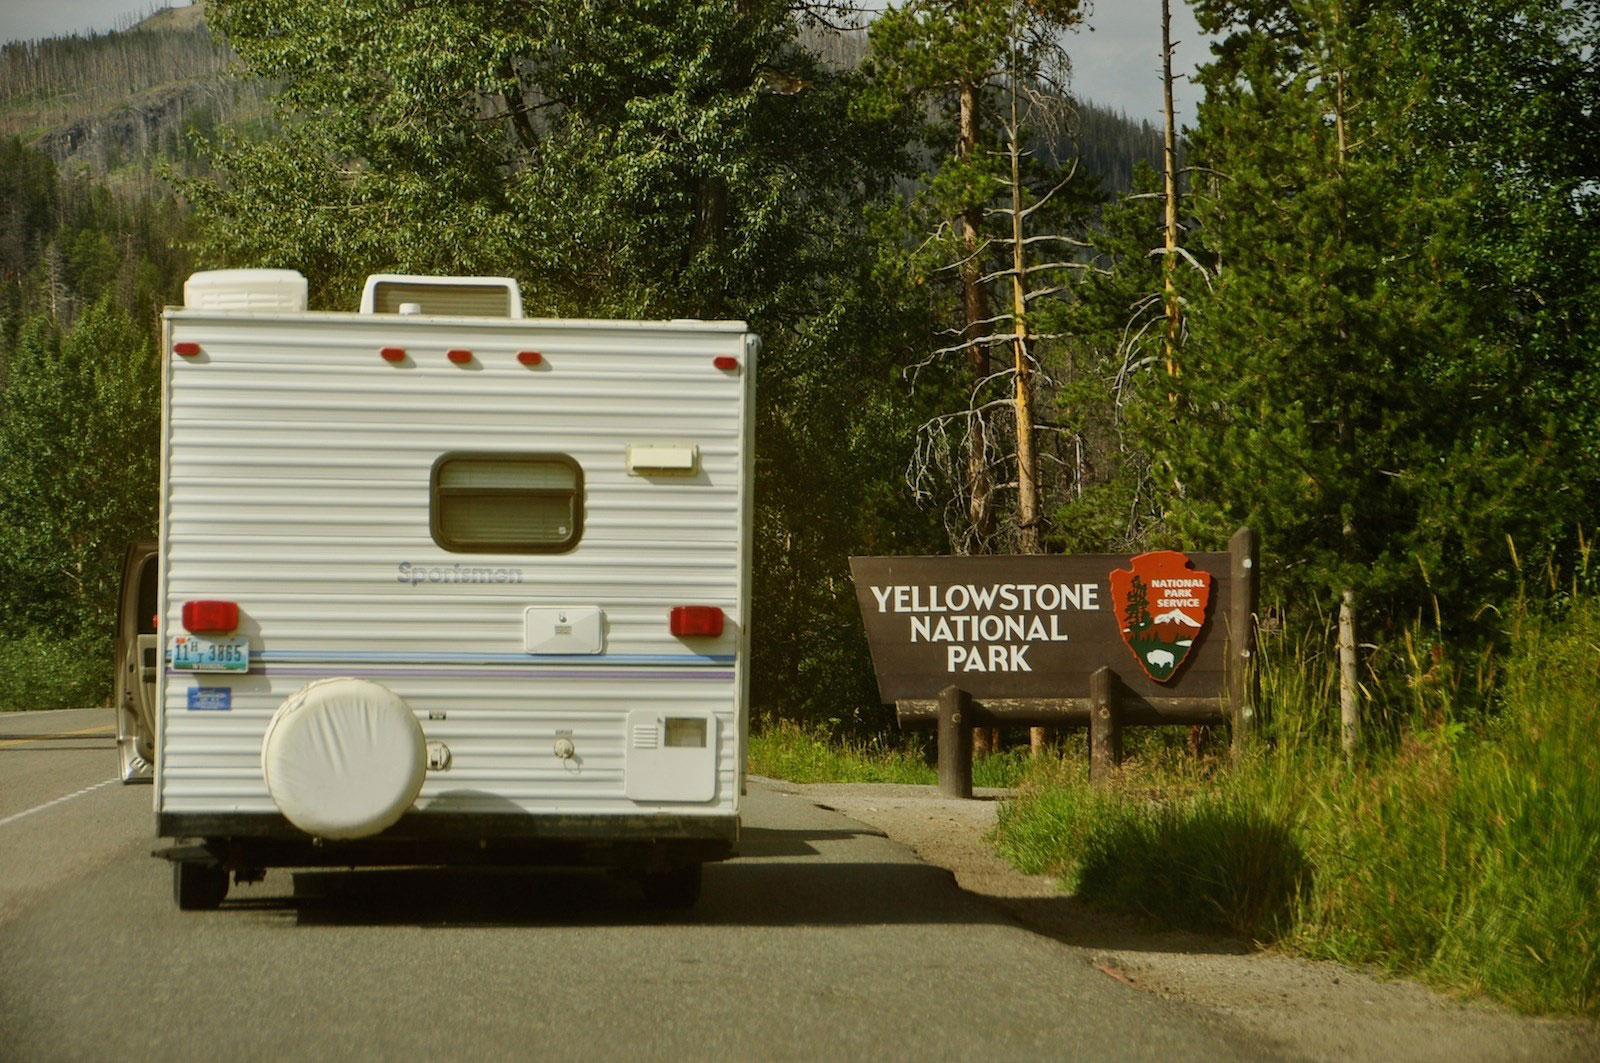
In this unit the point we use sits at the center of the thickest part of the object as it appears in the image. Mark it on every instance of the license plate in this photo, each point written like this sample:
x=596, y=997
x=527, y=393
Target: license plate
x=191, y=653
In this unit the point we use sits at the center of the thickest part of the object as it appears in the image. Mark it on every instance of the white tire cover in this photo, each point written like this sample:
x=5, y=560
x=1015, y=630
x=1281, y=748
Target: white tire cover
x=344, y=758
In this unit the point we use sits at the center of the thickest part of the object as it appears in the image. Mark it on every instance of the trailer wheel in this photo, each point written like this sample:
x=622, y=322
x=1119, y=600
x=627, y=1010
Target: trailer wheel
x=677, y=888
x=199, y=887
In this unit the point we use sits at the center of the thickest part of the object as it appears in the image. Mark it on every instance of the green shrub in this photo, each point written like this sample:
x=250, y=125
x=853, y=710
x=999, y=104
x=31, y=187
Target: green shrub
x=1206, y=860
x=40, y=671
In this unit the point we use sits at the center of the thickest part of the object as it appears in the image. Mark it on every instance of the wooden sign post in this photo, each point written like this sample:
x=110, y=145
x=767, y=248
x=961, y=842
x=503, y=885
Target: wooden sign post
x=1096, y=640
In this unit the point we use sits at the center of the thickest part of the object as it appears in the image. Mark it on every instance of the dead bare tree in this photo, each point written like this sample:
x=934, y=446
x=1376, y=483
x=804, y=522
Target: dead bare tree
x=991, y=66
x=1169, y=158
x=1012, y=260
x=1004, y=259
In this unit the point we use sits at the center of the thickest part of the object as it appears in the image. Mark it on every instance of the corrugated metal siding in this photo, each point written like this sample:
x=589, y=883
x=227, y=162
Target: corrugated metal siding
x=296, y=483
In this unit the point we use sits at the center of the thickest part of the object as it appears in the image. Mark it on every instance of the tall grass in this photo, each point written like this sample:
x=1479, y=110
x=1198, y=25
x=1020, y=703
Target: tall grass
x=1464, y=850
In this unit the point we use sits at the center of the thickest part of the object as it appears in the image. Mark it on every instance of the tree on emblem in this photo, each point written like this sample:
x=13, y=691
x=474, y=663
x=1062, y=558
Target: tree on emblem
x=1138, y=612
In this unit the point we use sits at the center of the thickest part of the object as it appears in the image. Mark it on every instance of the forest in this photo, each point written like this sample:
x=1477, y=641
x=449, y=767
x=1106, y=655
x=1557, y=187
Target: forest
x=1353, y=306
x=1363, y=331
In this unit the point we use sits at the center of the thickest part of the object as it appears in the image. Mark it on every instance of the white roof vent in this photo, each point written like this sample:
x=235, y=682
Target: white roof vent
x=260, y=291
x=396, y=293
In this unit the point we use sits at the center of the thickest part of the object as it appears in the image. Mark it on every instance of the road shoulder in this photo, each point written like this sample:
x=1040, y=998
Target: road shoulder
x=1312, y=1009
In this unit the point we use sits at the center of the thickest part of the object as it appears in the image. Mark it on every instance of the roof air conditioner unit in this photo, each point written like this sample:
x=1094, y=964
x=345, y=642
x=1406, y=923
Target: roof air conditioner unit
x=263, y=291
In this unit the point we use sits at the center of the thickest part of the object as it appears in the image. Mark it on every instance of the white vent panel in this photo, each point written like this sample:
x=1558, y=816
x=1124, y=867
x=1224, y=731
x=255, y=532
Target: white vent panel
x=660, y=765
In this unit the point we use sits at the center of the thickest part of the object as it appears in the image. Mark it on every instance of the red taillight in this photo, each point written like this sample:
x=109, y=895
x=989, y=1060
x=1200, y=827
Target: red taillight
x=696, y=620
x=530, y=357
x=726, y=362
x=393, y=354
x=210, y=618
x=188, y=350
x=459, y=357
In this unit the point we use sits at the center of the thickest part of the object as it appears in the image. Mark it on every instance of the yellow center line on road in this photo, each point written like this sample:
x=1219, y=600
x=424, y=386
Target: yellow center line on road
x=104, y=729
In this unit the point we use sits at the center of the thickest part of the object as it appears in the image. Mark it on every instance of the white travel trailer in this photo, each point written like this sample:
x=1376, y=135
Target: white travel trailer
x=438, y=584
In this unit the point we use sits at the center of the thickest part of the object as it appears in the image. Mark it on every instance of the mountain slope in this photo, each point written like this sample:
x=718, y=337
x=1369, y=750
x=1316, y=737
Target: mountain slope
x=126, y=97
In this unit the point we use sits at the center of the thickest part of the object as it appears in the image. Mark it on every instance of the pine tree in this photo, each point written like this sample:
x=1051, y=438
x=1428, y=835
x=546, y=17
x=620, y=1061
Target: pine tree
x=1111, y=397
x=1344, y=391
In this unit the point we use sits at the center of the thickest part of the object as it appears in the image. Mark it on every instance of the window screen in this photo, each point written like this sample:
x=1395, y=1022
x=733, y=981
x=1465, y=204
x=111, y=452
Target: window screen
x=510, y=503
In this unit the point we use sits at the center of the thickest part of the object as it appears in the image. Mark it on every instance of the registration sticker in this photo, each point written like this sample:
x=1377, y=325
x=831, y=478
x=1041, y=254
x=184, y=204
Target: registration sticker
x=212, y=699
x=192, y=653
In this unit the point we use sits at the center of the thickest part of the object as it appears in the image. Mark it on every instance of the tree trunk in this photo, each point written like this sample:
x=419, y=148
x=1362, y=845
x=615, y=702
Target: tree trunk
x=1169, y=290
x=1349, y=684
x=1028, y=538
x=1349, y=668
x=1028, y=541
x=975, y=306
x=975, y=303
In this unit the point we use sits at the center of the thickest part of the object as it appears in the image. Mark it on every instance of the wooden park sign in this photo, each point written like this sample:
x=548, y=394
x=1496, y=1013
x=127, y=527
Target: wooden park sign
x=1097, y=639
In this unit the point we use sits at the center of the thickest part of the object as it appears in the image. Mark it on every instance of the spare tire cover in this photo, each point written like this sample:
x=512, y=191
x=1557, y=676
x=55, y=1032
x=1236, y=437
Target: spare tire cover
x=344, y=758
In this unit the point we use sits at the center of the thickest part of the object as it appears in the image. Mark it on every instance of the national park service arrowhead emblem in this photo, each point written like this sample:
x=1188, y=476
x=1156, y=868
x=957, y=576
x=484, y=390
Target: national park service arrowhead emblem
x=1160, y=603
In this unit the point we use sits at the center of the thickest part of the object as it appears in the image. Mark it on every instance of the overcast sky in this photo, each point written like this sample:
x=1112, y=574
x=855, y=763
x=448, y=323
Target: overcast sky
x=22, y=20
x=1116, y=62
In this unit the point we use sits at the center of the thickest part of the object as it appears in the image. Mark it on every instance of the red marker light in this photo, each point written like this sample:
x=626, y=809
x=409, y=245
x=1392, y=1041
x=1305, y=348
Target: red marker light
x=393, y=354
x=530, y=357
x=188, y=350
x=210, y=618
x=726, y=362
x=696, y=620
x=459, y=357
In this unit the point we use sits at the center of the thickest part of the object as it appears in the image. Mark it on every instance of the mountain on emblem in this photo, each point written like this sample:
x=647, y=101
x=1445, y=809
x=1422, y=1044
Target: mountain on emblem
x=1160, y=603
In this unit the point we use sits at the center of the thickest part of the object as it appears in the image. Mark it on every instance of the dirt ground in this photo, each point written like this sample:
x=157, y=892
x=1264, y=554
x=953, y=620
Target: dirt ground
x=1314, y=1010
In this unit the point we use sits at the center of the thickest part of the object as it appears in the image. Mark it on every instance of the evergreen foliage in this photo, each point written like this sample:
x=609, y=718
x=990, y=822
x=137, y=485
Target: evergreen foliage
x=1390, y=302
x=83, y=274
x=66, y=241
x=85, y=73
x=1111, y=145
x=123, y=103
x=1362, y=386
x=1111, y=396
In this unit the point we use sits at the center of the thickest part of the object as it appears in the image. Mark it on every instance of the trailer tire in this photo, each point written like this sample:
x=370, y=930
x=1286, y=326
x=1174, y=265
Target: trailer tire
x=199, y=887
x=677, y=888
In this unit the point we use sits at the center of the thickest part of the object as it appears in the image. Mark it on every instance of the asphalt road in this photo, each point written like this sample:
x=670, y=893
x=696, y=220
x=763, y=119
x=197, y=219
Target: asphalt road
x=824, y=940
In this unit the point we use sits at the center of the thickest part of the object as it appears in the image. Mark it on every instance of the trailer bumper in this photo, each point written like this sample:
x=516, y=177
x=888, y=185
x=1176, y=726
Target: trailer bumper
x=255, y=841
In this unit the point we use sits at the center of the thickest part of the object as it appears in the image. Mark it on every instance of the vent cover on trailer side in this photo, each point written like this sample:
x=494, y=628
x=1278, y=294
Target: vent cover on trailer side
x=670, y=756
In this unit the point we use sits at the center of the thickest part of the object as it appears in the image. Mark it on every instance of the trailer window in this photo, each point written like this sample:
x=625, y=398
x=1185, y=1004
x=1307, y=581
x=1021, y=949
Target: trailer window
x=507, y=503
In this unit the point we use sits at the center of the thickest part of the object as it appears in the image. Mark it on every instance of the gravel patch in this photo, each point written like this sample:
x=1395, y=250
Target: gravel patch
x=1312, y=1010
